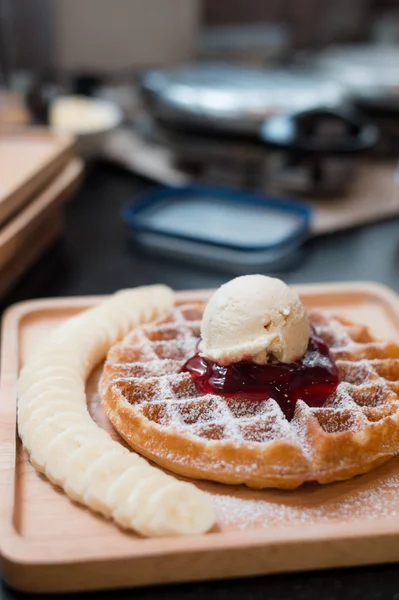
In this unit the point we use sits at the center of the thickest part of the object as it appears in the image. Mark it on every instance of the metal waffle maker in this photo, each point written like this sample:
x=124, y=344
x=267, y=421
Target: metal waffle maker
x=212, y=114
x=313, y=152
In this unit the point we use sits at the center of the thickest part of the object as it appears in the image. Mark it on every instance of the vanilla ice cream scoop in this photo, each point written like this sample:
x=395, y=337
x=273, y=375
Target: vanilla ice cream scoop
x=255, y=318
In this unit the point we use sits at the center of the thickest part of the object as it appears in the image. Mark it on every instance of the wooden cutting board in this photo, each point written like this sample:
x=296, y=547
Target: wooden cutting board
x=372, y=195
x=26, y=236
x=29, y=159
x=49, y=544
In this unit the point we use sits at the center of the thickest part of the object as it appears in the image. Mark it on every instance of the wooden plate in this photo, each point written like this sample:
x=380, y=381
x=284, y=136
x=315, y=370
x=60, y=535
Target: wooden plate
x=50, y=544
x=29, y=159
x=27, y=235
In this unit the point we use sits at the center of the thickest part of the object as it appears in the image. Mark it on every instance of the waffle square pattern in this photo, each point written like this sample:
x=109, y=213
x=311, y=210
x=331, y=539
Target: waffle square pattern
x=157, y=409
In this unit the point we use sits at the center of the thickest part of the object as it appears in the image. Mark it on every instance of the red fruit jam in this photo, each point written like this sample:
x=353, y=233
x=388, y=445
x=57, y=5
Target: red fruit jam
x=312, y=378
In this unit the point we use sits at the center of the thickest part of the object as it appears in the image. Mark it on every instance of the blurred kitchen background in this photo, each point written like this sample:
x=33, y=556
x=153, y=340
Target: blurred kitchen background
x=194, y=140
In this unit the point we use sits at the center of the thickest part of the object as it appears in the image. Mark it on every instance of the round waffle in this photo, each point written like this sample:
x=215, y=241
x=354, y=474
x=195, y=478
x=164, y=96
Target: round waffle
x=159, y=412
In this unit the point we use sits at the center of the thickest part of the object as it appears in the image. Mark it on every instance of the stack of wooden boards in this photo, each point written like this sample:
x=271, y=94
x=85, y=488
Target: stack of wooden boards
x=38, y=173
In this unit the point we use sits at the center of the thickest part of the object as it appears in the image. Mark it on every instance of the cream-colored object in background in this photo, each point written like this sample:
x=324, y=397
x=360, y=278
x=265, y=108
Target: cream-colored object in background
x=78, y=115
x=254, y=317
x=66, y=444
x=90, y=120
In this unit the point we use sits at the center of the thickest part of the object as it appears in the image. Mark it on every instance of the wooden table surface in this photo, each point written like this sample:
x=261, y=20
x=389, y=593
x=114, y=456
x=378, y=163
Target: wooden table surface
x=96, y=258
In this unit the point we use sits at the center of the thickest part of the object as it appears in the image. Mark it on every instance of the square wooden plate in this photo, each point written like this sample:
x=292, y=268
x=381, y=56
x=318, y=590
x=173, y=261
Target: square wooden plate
x=29, y=159
x=27, y=235
x=49, y=544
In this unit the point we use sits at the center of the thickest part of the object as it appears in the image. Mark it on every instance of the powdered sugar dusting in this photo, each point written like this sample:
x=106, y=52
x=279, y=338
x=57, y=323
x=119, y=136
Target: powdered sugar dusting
x=366, y=498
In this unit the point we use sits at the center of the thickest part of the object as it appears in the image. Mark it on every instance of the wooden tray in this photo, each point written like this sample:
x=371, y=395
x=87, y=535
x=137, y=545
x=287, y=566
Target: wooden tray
x=17, y=233
x=27, y=236
x=29, y=158
x=50, y=544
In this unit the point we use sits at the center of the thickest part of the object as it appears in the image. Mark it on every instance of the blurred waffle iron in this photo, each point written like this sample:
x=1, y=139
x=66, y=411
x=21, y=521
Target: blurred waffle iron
x=370, y=74
x=287, y=130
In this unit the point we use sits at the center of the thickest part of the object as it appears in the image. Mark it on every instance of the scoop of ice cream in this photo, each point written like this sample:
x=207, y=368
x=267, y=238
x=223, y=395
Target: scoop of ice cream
x=255, y=318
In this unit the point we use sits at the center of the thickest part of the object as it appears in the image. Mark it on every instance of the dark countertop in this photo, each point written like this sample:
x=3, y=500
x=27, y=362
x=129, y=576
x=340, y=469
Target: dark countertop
x=95, y=258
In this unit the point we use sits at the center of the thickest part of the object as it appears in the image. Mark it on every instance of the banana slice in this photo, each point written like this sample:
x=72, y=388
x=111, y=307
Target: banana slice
x=192, y=513
x=79, y=464
x=58, y=405
x=74, y=387
x=64, y=442
x=47, y=372
x=46, y=433
x=33, y=425
x=119, y=490
x=127, y=513
x=103, y=472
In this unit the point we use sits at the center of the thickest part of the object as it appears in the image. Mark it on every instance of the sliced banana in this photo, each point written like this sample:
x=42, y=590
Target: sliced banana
x=74, y=387
x=80, y=461
x=119, y=490
x=47, y=372
x=103, y=472
x=64, y=442
x=193, y=513
x=37, y=420
x=59, y=404
x=46, y=433
x=127, y=513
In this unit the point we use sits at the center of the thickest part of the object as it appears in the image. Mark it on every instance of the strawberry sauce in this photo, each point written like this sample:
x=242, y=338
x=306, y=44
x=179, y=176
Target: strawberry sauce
x=312, y=378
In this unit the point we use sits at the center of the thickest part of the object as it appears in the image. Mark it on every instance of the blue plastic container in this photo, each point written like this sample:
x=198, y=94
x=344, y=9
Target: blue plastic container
x=218, y=227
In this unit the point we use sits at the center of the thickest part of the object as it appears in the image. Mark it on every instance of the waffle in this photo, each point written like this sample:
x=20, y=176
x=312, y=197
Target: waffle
x=159, y=412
